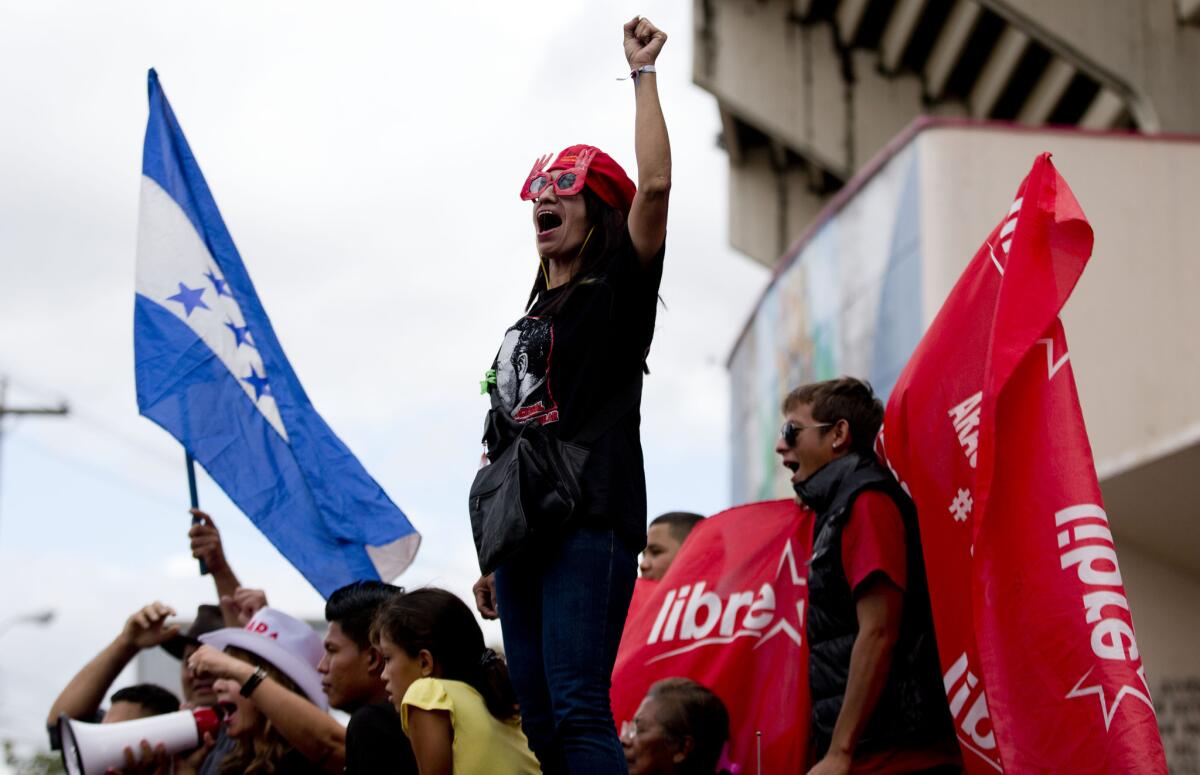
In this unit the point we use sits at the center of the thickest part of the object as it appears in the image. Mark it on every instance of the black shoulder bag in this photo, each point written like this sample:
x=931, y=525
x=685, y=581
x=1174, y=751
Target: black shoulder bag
x=531, y=489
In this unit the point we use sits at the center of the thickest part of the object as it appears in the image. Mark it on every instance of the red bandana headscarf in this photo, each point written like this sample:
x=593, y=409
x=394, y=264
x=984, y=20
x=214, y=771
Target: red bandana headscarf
x=605, y=177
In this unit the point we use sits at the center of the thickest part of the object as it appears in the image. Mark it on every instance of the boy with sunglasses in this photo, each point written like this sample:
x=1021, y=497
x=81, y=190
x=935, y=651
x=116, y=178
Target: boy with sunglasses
x=877, y=699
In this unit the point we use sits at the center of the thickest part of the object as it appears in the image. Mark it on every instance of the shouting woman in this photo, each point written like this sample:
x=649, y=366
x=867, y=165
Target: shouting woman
x=572, y=368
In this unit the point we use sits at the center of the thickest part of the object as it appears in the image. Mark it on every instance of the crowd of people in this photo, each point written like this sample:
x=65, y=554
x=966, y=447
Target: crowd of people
x=271, y=676
x=423, y=692
x=559, y=525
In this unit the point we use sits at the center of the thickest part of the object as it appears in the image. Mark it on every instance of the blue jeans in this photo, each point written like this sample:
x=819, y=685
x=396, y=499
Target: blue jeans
x=562, y=612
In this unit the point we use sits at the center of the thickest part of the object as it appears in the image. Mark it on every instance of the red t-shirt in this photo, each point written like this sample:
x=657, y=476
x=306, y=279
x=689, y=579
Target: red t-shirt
x=873, y=543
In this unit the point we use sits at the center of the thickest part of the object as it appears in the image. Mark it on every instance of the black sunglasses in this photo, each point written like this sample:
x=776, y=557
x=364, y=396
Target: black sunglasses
x=790, y=431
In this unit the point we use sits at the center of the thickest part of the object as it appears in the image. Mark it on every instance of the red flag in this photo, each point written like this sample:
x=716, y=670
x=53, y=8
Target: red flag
x=984, y=430
x=730, y=615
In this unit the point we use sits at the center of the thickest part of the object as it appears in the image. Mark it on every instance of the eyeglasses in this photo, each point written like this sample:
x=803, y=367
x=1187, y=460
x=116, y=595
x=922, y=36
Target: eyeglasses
x=791, y=430
x=629, y=730
x=568, y=182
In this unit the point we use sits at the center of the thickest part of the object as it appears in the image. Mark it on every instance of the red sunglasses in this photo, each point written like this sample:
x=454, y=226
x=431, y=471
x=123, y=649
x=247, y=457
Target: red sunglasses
x=568, y=182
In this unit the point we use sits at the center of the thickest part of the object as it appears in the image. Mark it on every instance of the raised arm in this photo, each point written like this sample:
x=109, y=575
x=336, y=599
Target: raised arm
x=82, y=696
x=648, y=214
x=310, y=730
x=206, y=546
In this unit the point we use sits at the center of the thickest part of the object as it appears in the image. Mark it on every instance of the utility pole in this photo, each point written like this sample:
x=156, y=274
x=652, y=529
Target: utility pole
x=21, y=411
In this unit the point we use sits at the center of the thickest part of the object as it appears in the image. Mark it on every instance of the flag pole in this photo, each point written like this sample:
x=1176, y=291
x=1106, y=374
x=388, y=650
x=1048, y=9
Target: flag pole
x=191, y=471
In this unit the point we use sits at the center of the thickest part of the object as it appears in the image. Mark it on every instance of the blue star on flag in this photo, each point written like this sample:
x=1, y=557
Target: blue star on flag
x=258, y=382
x=218, y=283
x=189, y=298
x=241, y=334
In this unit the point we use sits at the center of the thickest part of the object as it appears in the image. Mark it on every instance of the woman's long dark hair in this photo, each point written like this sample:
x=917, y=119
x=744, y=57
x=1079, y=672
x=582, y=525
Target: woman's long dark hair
x=266, y=748
x=437, y=621
x=607, y=225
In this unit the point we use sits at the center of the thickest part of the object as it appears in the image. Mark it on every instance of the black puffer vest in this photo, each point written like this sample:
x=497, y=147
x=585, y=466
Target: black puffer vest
x=912, y=711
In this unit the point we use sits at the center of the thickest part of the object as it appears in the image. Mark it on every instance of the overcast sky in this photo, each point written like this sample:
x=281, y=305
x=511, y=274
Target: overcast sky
x=367, y=159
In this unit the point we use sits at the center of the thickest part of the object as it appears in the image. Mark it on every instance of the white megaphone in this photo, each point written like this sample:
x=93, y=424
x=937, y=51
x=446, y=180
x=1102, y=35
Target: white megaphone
x=89, y=749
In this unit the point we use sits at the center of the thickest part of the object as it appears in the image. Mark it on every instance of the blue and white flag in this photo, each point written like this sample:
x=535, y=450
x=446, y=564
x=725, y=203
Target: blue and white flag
x=212, y=373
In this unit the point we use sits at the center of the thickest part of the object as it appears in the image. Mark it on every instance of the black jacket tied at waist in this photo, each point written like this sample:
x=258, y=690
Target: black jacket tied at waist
x=912, y=710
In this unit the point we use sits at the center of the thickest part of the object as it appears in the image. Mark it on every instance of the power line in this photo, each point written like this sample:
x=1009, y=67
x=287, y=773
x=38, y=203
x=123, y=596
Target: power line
x=95, y=418
x=21, y=381
x=96, y=421
x=5, y=409
x=25, y=411
x=102, y=474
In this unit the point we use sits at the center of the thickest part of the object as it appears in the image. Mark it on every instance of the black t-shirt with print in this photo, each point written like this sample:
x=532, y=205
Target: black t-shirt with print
x=564, y=361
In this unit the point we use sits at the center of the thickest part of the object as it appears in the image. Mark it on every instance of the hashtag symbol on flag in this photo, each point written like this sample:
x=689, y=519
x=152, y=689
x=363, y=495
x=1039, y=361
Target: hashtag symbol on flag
x=961, y=506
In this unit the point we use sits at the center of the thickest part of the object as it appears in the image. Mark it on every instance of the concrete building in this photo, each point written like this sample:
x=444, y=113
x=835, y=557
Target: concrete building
x=810, y=90
x=868, y=219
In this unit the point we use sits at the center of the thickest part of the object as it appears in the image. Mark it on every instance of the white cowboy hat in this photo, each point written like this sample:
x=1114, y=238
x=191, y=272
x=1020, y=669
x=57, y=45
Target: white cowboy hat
x=287, y=643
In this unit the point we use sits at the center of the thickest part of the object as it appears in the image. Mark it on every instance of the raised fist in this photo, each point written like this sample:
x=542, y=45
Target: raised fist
x=643, y=41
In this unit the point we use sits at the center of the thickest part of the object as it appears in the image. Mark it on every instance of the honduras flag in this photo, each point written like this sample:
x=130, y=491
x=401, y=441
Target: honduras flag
x=211, y=371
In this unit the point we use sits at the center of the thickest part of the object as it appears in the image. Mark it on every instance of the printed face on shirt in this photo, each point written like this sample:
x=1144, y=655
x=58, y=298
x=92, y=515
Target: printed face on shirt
x=661, y=548
x=348, y=674
x=523, y=371
x=813, y=448
x=559, y=223
x=400, y=669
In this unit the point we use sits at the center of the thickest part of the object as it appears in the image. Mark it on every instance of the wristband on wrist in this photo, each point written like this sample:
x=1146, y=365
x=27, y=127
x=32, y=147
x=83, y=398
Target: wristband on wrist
x=252, y=682
x=633, y=74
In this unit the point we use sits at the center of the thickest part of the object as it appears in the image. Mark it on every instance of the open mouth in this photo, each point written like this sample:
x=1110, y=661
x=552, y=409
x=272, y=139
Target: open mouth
x=793, y=467
x=228, y=711
x=547, y=220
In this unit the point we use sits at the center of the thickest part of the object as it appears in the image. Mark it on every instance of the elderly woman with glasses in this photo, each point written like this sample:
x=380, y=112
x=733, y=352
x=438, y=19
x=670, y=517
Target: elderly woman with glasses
x=681, y=728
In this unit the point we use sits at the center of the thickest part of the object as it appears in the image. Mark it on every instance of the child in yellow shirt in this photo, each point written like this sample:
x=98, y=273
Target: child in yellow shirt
x=453, y=694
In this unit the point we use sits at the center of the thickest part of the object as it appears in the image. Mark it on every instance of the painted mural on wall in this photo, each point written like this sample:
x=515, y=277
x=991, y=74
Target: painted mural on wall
x=848, y=303
x=1177, y=703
